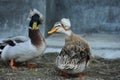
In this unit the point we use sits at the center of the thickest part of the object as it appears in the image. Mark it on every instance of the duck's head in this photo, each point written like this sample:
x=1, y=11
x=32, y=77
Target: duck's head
x=63, y=26
x=35, y=18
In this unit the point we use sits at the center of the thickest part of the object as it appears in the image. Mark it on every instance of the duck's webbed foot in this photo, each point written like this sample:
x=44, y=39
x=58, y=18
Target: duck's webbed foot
x=28, y=65
x=77, y=75
x=80, y=75
x=12, y=64
x=61, y=73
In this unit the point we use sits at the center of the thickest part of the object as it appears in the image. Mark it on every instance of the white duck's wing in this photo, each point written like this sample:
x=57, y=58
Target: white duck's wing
x=16, y=39
x=19, y=51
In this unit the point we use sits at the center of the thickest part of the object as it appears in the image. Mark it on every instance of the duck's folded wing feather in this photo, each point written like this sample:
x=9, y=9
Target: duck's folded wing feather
x=75, y=52
x=12, y=41
x=17, y=39
x=73, y=55
x=20, y=51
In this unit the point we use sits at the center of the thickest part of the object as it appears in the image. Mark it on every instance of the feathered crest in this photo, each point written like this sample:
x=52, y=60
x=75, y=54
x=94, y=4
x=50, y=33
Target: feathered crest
x=66, y=23
x=33, y=12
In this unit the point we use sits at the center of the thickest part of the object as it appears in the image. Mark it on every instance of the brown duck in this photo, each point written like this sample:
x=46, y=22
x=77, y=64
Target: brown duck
x=75, y=54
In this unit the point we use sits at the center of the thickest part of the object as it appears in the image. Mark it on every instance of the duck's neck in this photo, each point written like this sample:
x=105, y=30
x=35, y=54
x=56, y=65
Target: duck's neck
x=68, y=33
x=35, y=35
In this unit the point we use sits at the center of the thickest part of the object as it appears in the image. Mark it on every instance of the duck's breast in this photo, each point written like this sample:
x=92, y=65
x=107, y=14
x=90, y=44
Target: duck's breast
x=42, y=47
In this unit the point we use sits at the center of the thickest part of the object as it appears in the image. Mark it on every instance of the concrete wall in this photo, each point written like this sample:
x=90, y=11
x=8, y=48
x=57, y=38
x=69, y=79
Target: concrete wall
x=13, y=16
x=50, y=15
x=90, y=15
x=85, y=15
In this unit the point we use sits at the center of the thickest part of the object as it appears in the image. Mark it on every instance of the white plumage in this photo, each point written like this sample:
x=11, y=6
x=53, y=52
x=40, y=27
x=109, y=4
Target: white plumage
x=33, y=12
x=66, y=23
x=21, y=51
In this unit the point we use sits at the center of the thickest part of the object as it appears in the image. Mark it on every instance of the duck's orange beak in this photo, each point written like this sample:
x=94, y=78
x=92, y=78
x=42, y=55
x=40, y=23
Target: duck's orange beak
x=52, y=31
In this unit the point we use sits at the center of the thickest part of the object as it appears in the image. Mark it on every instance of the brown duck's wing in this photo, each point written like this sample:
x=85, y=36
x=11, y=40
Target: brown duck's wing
x=76, y=52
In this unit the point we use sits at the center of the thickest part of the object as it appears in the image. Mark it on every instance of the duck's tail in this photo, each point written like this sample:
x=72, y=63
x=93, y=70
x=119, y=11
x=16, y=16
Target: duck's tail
x=6, y=42
x=2, y=45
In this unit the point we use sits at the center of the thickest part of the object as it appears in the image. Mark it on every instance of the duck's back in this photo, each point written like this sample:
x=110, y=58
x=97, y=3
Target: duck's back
x=75, y=43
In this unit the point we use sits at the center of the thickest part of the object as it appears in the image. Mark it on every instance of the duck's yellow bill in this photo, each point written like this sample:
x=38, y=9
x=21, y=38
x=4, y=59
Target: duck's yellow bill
x=34, y=26
x=52, y=31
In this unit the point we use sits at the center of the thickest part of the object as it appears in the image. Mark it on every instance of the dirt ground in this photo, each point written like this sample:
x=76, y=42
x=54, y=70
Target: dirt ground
x=99, y=69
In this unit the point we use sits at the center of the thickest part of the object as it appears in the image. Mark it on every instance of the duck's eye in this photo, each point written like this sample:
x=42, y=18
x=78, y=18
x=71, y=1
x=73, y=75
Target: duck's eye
x=58, y=25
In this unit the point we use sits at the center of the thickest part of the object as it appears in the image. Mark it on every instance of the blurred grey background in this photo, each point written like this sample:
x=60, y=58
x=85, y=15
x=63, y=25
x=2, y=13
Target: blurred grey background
x=87, y=16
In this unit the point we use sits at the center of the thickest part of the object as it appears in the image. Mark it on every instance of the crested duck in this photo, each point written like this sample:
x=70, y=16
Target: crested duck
x=75, y=54
x=23, y=49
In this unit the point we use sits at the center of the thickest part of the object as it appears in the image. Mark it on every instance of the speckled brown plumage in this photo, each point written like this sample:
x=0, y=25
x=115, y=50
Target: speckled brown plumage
x=76, y=47
x=74, y=56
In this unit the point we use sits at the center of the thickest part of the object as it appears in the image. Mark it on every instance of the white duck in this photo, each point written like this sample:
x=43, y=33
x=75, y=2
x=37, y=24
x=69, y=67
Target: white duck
x=24, y=50
x=75, y=54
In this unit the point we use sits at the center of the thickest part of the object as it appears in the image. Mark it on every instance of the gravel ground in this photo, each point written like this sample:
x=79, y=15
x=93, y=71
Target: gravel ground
x=99, y=69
